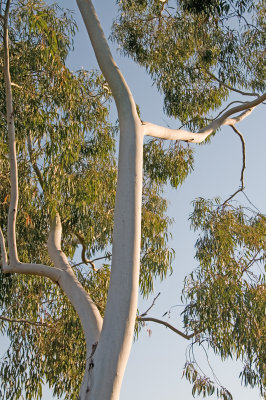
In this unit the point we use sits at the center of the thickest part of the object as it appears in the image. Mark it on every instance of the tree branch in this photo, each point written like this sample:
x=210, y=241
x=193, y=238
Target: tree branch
x=24, y=321
x=3, y=250
x=243, y=154
x=87, y=310
x=84, y=259
x=228, y=105
x=33, y=162
x=109, y=68
x=153, y=303
x=225, y=119
x=33, y=269
x=12, y=214
x=92, y=261
x=243, y=165
x=16, y=85
x=161, y=322
x=230, y=87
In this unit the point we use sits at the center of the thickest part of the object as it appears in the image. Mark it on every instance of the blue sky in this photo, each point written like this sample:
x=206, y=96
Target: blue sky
x=155, y=366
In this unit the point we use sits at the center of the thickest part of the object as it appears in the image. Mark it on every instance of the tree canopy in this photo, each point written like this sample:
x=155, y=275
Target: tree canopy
x=196, y=52
x=66, y=150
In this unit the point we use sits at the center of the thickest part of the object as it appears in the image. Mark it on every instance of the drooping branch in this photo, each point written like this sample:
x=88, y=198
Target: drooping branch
x=161, y=322
x=225, y=119
x=243, y=154
x=243, y=165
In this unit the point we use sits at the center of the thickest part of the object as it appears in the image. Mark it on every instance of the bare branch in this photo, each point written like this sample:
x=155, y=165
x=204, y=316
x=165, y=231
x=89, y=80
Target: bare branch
x=245, y=269
x=16, y=85
x=95, y=259
x=243, y=154
x=225, y=119
x=85, y=260
x=103, y=257
x=153, y=303
x=250, y=202
x=228, y=105
x=24, y=321
x=54, y=244
x=161, y=322
x=243, y=165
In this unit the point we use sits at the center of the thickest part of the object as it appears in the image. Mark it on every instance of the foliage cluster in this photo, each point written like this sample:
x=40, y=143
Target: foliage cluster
x=195, y=51
x=225, y=296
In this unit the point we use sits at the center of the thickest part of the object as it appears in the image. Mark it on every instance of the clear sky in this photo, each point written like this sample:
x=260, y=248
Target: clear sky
x=156, y=363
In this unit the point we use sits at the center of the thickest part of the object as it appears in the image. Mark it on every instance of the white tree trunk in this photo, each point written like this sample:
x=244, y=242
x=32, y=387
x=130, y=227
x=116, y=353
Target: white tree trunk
x=107, y=365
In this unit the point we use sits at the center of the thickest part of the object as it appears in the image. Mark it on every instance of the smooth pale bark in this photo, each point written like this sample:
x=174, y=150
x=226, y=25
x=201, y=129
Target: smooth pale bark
x=11, y=229
x=90, y=317
x=110, y=358
x=198, y=137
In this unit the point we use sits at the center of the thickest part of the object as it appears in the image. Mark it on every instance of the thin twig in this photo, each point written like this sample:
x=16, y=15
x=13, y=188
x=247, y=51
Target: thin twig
x=250, y=202
x=95, y=259
x=153, y=303
x=3, y=249
x=250, y=263
x=85, y=260
x=169, y=311
x=228, y=105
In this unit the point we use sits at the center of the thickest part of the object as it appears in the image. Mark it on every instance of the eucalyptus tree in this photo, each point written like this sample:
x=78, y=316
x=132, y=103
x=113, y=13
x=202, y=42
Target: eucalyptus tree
x=62, y=160
x=65, y=147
